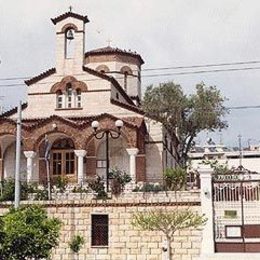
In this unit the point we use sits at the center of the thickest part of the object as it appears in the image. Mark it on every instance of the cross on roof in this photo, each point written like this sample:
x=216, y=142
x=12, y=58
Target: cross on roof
x=109, y=41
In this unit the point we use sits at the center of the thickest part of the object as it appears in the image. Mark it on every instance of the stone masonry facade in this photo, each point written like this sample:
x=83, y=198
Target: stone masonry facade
x=125, y=241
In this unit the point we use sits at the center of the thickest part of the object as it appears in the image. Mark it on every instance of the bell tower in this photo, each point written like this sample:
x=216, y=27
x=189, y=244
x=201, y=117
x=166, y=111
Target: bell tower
x=70, y=42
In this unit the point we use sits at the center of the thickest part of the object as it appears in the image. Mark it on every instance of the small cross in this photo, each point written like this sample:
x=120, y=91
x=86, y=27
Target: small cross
x=70, y=8
x=109, y=41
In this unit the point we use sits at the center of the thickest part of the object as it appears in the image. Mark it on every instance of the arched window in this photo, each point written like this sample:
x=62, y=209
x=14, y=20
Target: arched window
x=126, y=71
x=62, y=158
x=78, y=98
x=69, y=43
x=69, y=95
x=102, y=68
x=59, y=99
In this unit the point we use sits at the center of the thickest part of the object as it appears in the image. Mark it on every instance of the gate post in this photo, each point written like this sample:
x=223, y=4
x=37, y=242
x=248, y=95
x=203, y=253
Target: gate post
x=207, y=247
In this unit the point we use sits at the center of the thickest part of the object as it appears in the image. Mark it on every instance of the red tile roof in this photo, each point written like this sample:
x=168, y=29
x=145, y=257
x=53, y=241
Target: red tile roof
x=112, y=80
x=70, y=14
x=12, y=111
x=39, y=77
x=111, y=50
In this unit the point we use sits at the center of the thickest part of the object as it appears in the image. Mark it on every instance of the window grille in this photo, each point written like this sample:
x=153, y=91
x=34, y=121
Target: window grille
x=99, y=232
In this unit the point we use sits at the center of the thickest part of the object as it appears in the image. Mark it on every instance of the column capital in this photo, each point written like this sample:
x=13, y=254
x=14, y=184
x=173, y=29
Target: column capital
x=132, y=151
x=80, y=153
x=29, y=154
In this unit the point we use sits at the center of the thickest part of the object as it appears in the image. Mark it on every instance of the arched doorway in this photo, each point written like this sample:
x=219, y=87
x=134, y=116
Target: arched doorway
x=118, y=156
x=62, y=157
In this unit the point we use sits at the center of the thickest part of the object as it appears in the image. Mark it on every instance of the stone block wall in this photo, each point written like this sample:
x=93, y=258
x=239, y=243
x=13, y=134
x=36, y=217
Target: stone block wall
x=125, y=242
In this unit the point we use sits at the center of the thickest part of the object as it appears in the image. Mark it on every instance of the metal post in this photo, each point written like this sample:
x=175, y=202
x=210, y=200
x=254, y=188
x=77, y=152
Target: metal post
x=240, y=151
x=107, y=159
x=18, y=156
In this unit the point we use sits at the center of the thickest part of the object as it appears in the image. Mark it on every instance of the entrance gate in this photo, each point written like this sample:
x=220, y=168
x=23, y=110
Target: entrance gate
x=236, y=212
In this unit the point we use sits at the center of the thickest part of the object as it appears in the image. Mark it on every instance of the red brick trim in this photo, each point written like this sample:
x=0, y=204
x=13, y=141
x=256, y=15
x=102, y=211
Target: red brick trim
x=40, y=93
x=126, y=106
x=69, y=25
x=112, y=81
x=13, y=111
x=107, y=204
x=75, y=84
x=71, y=108
x=69, y=14
x=40, y=77
x=49, y=93
x=112, y=51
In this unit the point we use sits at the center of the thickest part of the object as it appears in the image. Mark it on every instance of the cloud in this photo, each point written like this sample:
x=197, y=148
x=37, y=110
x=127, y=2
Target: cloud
x=165, y=33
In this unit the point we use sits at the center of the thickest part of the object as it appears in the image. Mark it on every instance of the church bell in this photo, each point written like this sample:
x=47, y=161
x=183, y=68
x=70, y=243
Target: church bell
x=70, y=34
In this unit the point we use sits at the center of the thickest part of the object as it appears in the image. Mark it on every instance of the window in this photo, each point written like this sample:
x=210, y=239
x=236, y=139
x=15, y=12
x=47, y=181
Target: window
x=78, y=98
x=126, y=71
x=70, y=98
x=59, y=99
x=69, y=95
x=99, y=231
x=103, y=69
x=125, y=80
x=63, y=158
x=69, y=43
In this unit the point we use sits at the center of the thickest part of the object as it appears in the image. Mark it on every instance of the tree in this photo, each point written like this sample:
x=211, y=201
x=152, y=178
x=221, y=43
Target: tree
x=28, y=233
x=185, y=116
x=168, y=222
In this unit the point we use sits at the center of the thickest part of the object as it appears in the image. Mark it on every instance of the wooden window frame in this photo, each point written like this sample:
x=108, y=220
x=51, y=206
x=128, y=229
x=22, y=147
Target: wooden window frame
x=63, y=153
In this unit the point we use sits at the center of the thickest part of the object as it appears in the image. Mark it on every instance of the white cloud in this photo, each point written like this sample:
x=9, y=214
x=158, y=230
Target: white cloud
x=165, y=33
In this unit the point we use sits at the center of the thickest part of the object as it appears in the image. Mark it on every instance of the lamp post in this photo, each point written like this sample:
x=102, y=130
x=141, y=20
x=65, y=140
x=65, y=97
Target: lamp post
x=107, y=133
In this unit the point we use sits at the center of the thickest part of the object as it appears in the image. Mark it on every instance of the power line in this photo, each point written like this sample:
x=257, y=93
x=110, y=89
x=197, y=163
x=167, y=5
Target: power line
x=155, y=75
x=172, y=68
x=204, y=66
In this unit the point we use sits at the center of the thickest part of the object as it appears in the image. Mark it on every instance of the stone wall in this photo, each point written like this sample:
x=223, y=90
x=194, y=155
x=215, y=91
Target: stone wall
x=125, y=242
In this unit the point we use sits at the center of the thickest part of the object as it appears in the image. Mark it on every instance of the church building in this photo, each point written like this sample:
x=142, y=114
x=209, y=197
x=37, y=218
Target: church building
x=101, y=86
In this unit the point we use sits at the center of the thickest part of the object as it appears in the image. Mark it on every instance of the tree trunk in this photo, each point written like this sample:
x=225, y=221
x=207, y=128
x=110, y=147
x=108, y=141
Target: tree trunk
x=166, y=254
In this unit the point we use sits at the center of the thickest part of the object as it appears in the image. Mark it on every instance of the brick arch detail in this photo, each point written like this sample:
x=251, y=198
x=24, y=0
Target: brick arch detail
x=75, y=84
x=69, y=26
x=130, y=140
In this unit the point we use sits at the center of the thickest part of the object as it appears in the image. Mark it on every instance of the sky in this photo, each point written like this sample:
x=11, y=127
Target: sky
x=167, y=33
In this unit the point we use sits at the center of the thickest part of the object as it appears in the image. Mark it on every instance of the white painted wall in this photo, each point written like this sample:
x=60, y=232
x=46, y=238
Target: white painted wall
x=9, y=163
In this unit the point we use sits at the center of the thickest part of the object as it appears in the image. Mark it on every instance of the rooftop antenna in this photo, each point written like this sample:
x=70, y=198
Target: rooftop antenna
x=240, y=150
x=220, y=137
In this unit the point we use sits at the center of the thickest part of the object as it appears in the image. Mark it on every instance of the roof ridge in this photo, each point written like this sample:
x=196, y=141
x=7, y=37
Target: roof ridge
x=13, y=110
x=112, y=80
x=40, y=76
x=69, y=14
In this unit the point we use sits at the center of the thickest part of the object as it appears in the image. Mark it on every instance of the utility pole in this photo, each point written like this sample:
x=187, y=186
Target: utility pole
x=18, y=156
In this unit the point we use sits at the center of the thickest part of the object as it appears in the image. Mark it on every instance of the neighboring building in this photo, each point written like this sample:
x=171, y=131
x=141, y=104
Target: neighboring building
x=249, y=158
x=103, y=85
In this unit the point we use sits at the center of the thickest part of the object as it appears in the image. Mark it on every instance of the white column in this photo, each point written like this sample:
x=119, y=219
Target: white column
x=207, y=247
x=132, y=163
x=29, y=156
x=80, y=154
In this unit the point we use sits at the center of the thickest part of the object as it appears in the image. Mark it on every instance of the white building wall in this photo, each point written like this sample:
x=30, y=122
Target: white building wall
x=154, y=151
x=9, y=163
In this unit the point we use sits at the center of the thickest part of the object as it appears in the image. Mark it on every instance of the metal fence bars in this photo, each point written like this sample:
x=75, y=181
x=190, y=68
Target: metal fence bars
x=236, y=212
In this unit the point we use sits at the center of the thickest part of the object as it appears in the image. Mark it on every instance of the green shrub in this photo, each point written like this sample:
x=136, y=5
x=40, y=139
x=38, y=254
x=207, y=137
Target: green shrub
x=175, y=178
x=8, y=190
x=97, y=185
x=148, y=187
x=119, y=180
x=76, y=243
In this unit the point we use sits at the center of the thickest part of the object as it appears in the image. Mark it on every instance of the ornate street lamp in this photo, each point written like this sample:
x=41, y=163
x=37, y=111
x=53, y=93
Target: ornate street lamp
x=107, y=133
